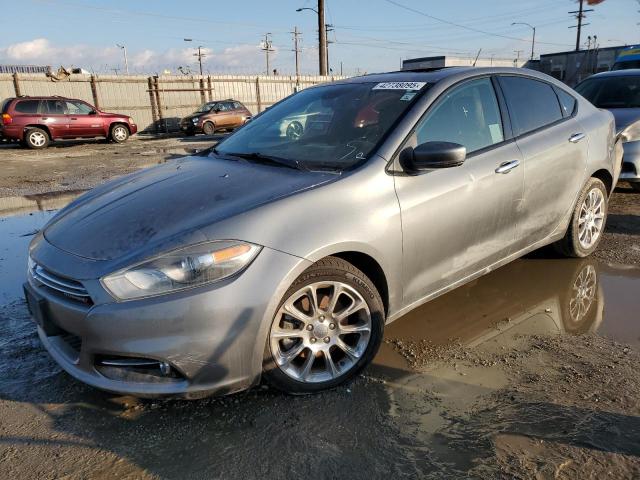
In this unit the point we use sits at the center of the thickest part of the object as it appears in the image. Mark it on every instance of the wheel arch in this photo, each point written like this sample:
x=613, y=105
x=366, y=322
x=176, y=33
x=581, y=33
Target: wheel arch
x=41, y=127
x=372, y=269
x=606, y=178
x=112, y=125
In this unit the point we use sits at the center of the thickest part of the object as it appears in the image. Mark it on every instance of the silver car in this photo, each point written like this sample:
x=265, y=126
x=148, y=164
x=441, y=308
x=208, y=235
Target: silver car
x=284, y=257
x=619, y=92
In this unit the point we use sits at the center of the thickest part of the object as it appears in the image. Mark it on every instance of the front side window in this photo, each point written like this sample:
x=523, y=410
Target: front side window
x=612, y=92
x=78, y=108
x=27, y=106
x=326, y=127
x=532, y=103
x=468, y=115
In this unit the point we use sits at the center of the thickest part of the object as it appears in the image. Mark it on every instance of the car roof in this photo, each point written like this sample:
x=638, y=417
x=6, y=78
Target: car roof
x=42, y=97
x=435, y=75
x=631, y=72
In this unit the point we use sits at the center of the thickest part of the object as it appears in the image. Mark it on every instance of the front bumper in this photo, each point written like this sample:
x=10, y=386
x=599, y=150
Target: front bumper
x=212, y=337
x=631, y=162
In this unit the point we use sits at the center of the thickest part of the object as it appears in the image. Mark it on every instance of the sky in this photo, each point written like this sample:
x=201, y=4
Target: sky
x=368, y=36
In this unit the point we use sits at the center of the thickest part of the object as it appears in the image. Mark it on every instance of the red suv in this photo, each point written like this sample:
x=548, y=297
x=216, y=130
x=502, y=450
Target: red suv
x=36, y=121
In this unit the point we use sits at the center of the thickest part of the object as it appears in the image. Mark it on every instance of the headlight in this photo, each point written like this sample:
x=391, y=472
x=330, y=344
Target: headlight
x=195, y=119
x=181, y=269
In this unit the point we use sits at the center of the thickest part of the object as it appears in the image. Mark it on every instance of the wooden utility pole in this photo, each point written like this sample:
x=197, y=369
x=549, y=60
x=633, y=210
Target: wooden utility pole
x=322, y=41
x=580, y=15
x=267, y=49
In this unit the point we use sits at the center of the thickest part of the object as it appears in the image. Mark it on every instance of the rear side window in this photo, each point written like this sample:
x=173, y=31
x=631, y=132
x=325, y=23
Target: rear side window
x=468, y=114
x=567, y=103
x=27, y=106
x=532, y=104
x=54, y=107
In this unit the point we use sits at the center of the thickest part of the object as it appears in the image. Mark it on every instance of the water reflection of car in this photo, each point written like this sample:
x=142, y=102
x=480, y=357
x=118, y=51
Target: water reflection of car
x=619, y=92
x=217, y=115
x=526, y=297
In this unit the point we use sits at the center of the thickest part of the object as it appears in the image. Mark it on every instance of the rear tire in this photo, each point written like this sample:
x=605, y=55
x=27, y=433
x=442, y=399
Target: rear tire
x=315, y=345
x=36, y=138
x=587, y=221
x=119, y=133
x=208, y=128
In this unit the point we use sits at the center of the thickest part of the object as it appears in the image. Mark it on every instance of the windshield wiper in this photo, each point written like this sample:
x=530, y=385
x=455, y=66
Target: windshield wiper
x=259, y=157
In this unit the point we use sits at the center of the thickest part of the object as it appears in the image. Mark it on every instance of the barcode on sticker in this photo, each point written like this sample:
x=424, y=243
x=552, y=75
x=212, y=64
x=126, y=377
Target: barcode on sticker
x=399, y=86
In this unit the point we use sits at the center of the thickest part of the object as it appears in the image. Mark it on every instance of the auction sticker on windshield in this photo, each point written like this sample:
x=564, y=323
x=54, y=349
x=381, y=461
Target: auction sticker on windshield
x=399, y=86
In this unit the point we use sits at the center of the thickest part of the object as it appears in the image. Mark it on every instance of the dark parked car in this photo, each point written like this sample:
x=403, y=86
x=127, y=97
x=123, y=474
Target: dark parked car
x=619, y=92
x=36, y=121
x=218, y=115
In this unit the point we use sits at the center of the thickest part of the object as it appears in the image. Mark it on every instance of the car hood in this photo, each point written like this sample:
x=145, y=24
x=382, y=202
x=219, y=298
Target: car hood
x=137, y=214
x=625, y=117
x=192, y=115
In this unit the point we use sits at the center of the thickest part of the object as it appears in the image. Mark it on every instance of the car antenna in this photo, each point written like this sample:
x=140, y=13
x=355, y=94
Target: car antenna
x=474, y=62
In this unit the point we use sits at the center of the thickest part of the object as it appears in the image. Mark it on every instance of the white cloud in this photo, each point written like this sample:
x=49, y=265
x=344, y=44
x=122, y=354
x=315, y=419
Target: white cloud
x=41, y=51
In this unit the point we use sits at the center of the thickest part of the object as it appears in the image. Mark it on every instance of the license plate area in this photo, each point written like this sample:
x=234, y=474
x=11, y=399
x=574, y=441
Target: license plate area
x=39, y=310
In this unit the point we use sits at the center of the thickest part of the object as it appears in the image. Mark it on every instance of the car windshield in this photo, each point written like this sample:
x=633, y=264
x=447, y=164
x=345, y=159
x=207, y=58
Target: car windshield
x=328, y=127
x=205, y=107
x=612, y=92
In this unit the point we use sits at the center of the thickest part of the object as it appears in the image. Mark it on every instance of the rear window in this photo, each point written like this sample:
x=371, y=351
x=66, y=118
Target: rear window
x=532, y=103
x=612, y=92
x=27, y=106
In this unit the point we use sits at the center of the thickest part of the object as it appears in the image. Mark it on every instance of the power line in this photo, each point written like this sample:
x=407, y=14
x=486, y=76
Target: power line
x=454, y=24
x=580, y=14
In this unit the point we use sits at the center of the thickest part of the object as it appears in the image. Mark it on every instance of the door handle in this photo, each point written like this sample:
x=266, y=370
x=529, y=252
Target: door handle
x=74, y=118
x=44, y=118
x=506, y=167
x=576, y=137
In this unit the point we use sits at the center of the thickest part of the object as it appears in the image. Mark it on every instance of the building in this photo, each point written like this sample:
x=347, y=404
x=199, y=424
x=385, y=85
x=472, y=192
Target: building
x=24, y=69
x=574, y=66
x=455, y=61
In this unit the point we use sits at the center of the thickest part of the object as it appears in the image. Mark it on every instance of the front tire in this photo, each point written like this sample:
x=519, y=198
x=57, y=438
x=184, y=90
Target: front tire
x=119, y=133
x=328, y=327
x=635, y=186
x=36, y=138
x=587, y=222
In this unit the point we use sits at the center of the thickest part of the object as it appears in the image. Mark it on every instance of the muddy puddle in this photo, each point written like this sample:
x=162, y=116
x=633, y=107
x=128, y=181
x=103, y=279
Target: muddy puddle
x=529, y=371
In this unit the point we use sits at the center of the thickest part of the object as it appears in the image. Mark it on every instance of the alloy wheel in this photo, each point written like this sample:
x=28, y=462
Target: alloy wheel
x=583, y=292
x=294, y=131
x=320, y=332
x=591, y=218
x=120, y=134
x=37, y=139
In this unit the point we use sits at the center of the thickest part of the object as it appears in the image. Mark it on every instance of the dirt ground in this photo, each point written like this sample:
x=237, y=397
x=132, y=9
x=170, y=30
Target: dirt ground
x=528, y=372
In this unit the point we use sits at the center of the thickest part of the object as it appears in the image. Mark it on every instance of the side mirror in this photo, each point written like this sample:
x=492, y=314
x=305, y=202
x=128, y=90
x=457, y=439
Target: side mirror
x=93, y=112
x=430, y=155
x=216, y=110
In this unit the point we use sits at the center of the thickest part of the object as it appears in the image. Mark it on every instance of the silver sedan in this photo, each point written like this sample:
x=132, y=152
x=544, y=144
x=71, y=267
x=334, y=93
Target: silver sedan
x=283, y=257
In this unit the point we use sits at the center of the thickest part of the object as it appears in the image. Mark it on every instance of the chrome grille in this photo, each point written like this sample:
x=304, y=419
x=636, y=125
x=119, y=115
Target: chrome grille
x=65, y=286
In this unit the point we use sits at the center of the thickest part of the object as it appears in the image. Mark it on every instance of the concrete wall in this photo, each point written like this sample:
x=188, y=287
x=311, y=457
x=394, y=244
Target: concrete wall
x=158, y=103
